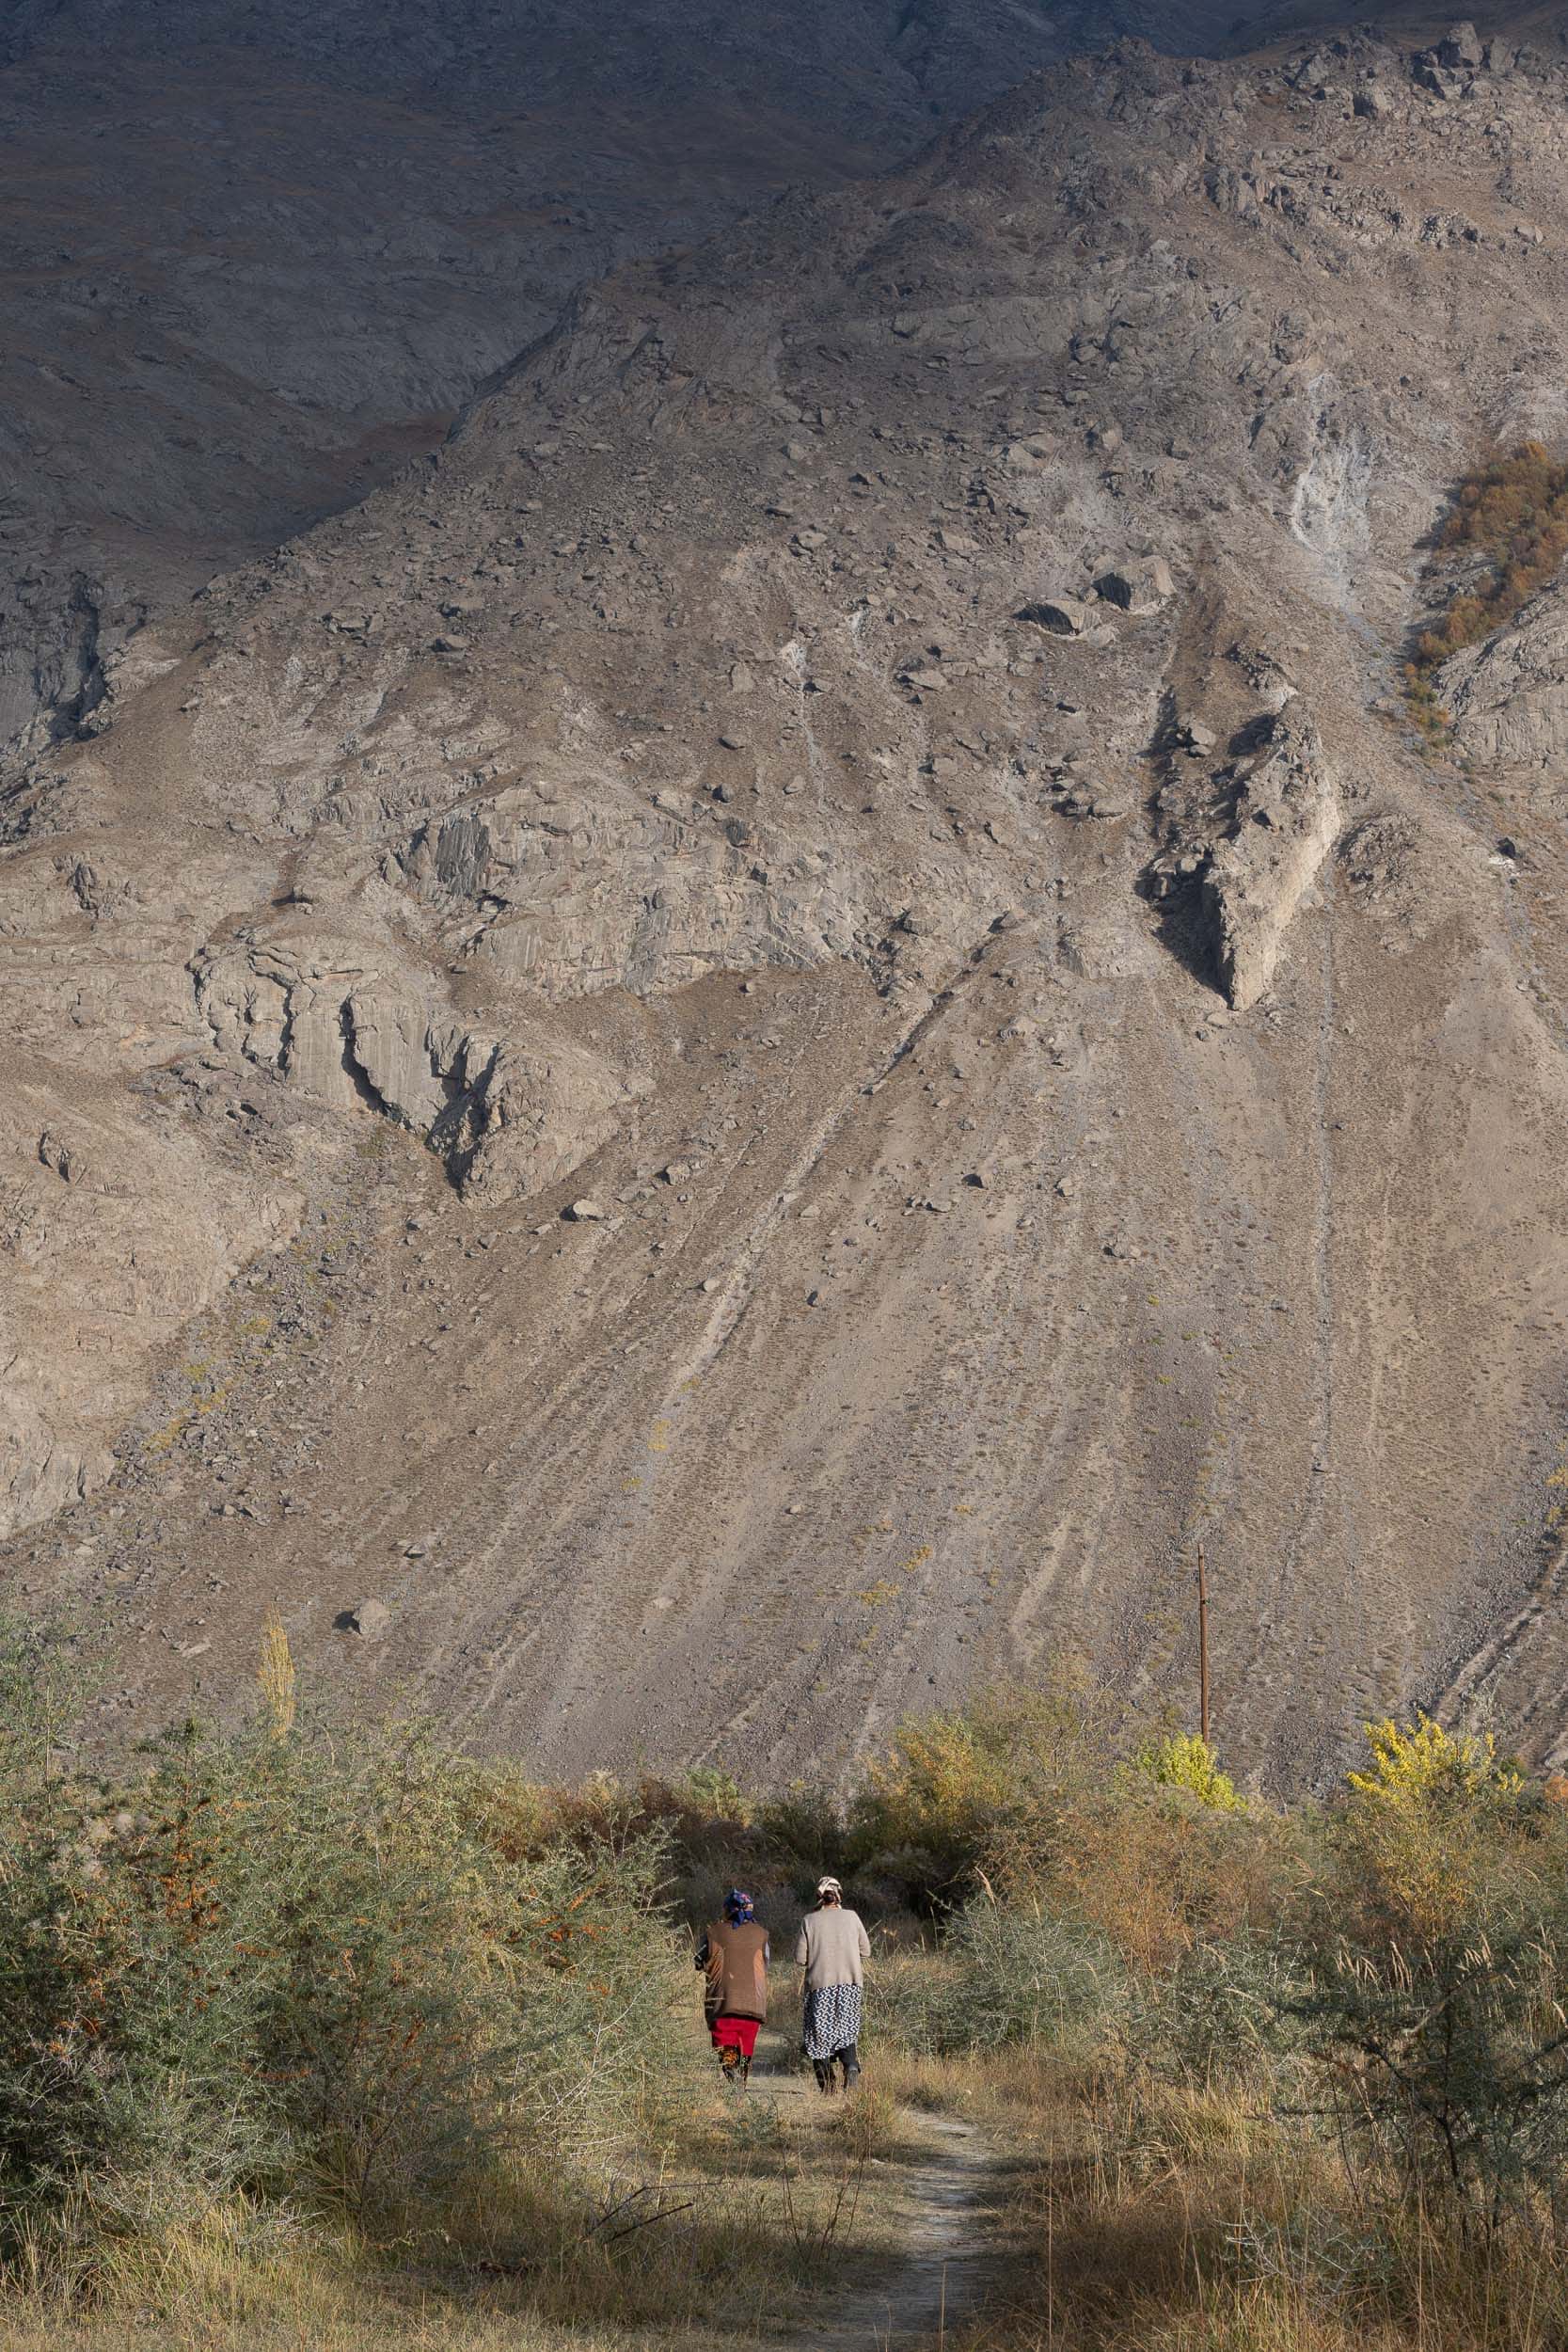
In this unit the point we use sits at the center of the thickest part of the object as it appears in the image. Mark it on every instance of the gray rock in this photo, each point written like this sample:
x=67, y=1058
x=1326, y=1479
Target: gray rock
x=1139, y=587
x=368, y=1619
x=1283, y=824
x=1429, y=74
x=1461, y=47
x=395, y=905
x=1064, y=616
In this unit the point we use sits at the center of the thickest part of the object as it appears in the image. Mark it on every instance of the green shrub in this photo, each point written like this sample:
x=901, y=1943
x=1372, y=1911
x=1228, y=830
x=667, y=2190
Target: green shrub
x=47, y=1667
x=1226, y=2010
x=953, y=1787
x=806, y=1826
x=1004, y=1976
x=715, y=1794
x=1438, y=1942
x=294, y=1968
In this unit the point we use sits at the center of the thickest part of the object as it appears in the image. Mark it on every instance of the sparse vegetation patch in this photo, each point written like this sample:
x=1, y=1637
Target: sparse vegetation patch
x=1514, y=515
x=1505, y=536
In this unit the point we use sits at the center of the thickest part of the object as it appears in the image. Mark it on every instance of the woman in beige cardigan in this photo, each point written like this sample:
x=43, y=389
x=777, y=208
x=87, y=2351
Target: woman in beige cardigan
x=834, y=1948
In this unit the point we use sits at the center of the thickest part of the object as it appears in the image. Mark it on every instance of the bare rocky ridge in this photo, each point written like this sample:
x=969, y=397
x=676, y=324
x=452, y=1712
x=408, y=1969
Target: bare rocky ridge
x=828, y=954
x=1285, y=819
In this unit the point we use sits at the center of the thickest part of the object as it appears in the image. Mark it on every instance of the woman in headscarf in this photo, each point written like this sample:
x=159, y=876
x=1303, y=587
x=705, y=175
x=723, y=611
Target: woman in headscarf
x=834, y=1948
x=734, y=1955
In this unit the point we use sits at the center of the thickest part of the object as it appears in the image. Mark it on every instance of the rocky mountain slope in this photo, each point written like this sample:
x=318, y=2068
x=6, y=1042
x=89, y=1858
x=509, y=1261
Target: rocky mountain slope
x=255, y=258
x=747, y=1048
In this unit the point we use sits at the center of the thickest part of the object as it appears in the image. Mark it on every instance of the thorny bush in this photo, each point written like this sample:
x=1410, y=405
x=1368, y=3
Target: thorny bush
x=298, y=1967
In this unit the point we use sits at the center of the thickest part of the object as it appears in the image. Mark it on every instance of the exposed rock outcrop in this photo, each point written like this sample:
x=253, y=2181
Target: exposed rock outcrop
x=1286, y=818
x=1140, y=586
x=1508, y=696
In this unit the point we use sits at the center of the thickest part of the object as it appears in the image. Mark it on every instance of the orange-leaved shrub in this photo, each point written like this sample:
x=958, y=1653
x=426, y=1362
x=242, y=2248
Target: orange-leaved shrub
x=1513, y=512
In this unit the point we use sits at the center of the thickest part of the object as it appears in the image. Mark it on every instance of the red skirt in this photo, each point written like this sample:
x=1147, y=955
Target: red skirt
x=736, y=2033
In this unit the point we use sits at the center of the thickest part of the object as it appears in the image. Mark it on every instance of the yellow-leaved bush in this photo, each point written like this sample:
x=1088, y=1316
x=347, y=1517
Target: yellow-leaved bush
x=1185, y=1760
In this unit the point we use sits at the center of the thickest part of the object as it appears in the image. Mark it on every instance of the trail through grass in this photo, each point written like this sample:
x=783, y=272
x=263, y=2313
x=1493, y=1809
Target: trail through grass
x=944, y=2277
x=785, y=2218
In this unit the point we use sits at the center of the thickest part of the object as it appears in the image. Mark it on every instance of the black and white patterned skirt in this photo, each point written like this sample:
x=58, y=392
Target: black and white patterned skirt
x=833, y=2014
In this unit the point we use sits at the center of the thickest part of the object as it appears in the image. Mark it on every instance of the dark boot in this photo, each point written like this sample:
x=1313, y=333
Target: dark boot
x=850, y=2061
x=729, y=2062
x=827, y=2081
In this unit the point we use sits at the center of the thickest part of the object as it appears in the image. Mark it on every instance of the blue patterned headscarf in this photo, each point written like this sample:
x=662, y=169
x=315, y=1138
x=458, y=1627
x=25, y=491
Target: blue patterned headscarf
x=739, y=1910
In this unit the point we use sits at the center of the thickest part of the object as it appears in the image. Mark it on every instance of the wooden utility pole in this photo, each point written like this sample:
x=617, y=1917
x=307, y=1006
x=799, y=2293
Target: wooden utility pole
x=1203, y=1643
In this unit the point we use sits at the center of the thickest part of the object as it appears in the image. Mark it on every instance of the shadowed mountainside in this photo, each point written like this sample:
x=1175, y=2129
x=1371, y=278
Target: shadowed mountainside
x=256, y=257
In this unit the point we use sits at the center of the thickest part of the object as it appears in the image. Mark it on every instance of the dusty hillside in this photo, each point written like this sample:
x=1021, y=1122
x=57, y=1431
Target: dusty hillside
x=255, y=257
x=818, y=991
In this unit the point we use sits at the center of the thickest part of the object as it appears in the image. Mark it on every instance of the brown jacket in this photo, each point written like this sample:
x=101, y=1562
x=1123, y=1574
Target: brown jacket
x=735, y=1959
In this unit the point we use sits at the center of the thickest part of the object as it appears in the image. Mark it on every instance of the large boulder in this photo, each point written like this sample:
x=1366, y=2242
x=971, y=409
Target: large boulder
x=1460, y=48
x=1141, y=585
x=1286, y=818
x=1064, y=616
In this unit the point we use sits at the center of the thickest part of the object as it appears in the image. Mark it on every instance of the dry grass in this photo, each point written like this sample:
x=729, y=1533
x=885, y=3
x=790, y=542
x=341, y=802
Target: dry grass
x=736, y=2220
x=1193, y=2220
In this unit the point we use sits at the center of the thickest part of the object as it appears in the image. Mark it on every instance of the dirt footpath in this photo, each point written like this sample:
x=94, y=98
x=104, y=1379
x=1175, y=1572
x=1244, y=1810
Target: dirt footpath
x=947, y=2204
